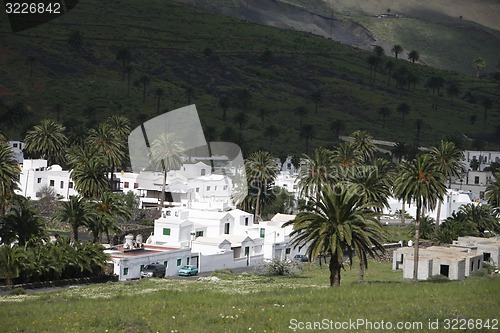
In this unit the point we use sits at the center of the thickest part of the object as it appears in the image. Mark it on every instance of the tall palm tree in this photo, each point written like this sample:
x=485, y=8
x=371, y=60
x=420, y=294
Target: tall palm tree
x=413, y=56
x=76, y=212
x=224, y=104
x=110, y=144
x=316, y=98
x=338, y=126
x=483, y=217
x=144, y=82
x=9, y=175
x=241, y=119
x=341, y=225
x=397, y=49
x=307, y=133
x=271, y=132
x=384, y=112
x=448, y=161
x=404, y=110
x=486, y=103
x=261, y=172
x=110, y=209
x=301, y=111
x=346, y=154
x=364, y=144
x=374, y=62
x=435, y=83
x=317, y=172
x=479, y=64
x=399, y=151
x=420, y=181
x=120, y=126
x=128, y=70
x=159, y=94
x=89, y=171
x=23, y=224
x=166, y=154
x=389, y=66
x=493, y=192
x=47, y=140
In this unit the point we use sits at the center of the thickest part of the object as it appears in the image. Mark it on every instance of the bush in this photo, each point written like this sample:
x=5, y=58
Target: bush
x=17, y=291
x=438, y=279
x=278, y=267
x=488, y=267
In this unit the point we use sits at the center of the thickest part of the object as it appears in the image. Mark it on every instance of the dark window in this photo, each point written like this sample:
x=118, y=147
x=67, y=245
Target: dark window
x=199, y=234
x=444, y=270
x=247, y=251
x=136, y=185
x=39, y=180
x=486, y=256
x=166, y=264
x=142, y=267
x=179, y=262
x=70, y=185
x=188, y=260
x=478, y=263
x=262, y=232
x=125, y=271
x=51, y=182
x=476, y=180
x=246, y=221
x=166, y=231
x=125, y=185
x=203, y=171
x=226, y=228
x=287, y=251
x=62, y=184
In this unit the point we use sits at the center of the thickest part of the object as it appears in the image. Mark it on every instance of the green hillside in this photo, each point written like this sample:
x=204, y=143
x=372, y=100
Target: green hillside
x=198, y=57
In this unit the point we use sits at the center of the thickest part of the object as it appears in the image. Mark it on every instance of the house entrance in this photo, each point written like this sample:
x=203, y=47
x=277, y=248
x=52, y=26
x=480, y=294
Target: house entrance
x=445, y=270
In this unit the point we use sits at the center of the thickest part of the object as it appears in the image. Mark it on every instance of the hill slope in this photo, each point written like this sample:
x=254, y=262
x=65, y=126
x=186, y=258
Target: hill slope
x=198, y=57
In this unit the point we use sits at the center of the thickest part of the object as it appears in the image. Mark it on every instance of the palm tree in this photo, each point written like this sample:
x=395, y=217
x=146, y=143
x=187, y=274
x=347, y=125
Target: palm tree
x=419, y=123
x=23, y=224
x=110, y=209
x=404, y=110
x=243, y=98
x=448, y=161
x=301, y=111
x=486, y=103
x=89, y=171
x=9, y=175
x=159, y=94
x=120, y=126
x=166, y=154
x=389, y=66
x=346, y=154
x=224, y=104
x=479, y=64
x=384, y=111
x=12, y=260
x=57, y=108
x=261, y=171
x=144, y=82
x=316, y=98
x=399, y=151
x=374, y=62
x=125, y=57
x=128, y=70
x=364, y=144
x=435, y=83
x=342, y=224
x=413, y=56
x=111, y=145
x=317, y=172
x=379, y=51
x=338, y=126
x=76, y=212
x=483, y=217
x=47, y=140
x=241, y=119
x=420, y=181
x=307, y=133
x=397, y=49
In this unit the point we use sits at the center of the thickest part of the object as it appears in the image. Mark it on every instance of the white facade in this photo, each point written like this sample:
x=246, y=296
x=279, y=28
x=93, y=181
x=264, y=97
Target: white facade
x=485, y=158
x=17, y=148
x=489, y=248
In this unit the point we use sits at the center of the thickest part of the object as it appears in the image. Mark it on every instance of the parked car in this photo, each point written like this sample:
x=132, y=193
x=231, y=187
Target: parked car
x=153, y=270
x=301, y=258
x=188, y=270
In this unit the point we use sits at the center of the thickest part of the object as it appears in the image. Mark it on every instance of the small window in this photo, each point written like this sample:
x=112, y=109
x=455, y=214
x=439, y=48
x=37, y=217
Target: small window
x=226, y=228
x=197, y=189
x=179, y=262
x=471, y=265
x=225, y=187
x=70, y=185
x=246, y=221
x=188, y=261
x=262, y=232
x=39, y=180
x=15, y=145
x=125, y=184
x=215, y=189
x=208, y=188
x=203, y=171
x=125, y=271
x=165, y=263
x=478, y=263
x=136, y=185
x=62, y=184
x=287, y=251
x=166, y=231
x=247, y=251
x=476, y=180
x=142, y=267
x=51, y=182
x=199, y=234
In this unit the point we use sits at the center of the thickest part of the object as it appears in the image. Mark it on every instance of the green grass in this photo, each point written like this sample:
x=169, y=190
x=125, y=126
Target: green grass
x=249, y=303
x=167, y=40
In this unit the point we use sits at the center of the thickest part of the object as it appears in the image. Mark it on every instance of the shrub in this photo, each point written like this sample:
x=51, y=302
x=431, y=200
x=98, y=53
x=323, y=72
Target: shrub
x=278, y=267
x=17, y=291
x=438, y=279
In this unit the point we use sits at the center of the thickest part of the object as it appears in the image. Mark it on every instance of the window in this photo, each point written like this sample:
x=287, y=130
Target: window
x=142, y=267
x=203, y=171
x=287, y=251
x=179, y=262
x=125, y=271
x=226, y=228
x=188, y=260
x=247, y=251
x=246, y=221
x=478, y=263
x=215, y=189
x=70, y=185
x=486, y=256
x=262, y=232
x=199, y=234
x=39, y=180
x=225, y=187
x=62, y=184
x=51, y=182
x=165, y=263
x=208, y=188
x=166, y=231
x=197, y=189
x=14, y=145
x=471, y=265
x=125, y=185
x=476, y=180
x=136, y=185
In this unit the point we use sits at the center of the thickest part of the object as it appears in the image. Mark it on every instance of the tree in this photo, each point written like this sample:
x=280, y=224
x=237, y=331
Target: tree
x=166, y=154
x=261, y=172
x=76, y=212
x=271, y=132
x=110, y=209
x=301, y=111
x=479, y=64
x=419, y=123
x=75, y=40
x=144, y=82
x=379, y=51
x=48, y=141
x=315, y=173
x=89, y=171
x=159, y=94
x=22, y=224
x=448, y=159
x=316, y=98
x=338, y=126
x=243, y=98
x=346, y=155
x=404, y=110
x=307, y=133
x=57, y=108
x=397, y=49
x=241, y=119
x=341, y=225
x=364, y=144
x=189, y=94
x=419, y=181
x=435, y=83
x=493, y=192
x=12, y=260
x=399, y=151
x=9, y=175
x=483, y=217
x=124, y=56
x=384, y=111
x=128, y=70
x=413, y=56
x=374, y=62
x=453, y=89
x=224, y=104
x=389, y=66
x=486, y=103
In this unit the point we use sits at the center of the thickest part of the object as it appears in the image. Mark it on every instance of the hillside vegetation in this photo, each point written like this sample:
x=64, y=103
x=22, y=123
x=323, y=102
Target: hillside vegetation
x=69, y=68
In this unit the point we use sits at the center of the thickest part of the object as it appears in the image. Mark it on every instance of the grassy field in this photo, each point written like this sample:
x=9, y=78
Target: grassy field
x=249, y=302
x=169, y=42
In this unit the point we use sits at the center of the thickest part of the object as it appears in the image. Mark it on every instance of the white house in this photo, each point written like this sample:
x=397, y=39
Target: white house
x=489, y=248
x=485, y=158
x=17, y=148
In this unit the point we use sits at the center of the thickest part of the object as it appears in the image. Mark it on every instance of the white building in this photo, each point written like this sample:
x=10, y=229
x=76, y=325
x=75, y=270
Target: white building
x=489, y=248
x=17, y=148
